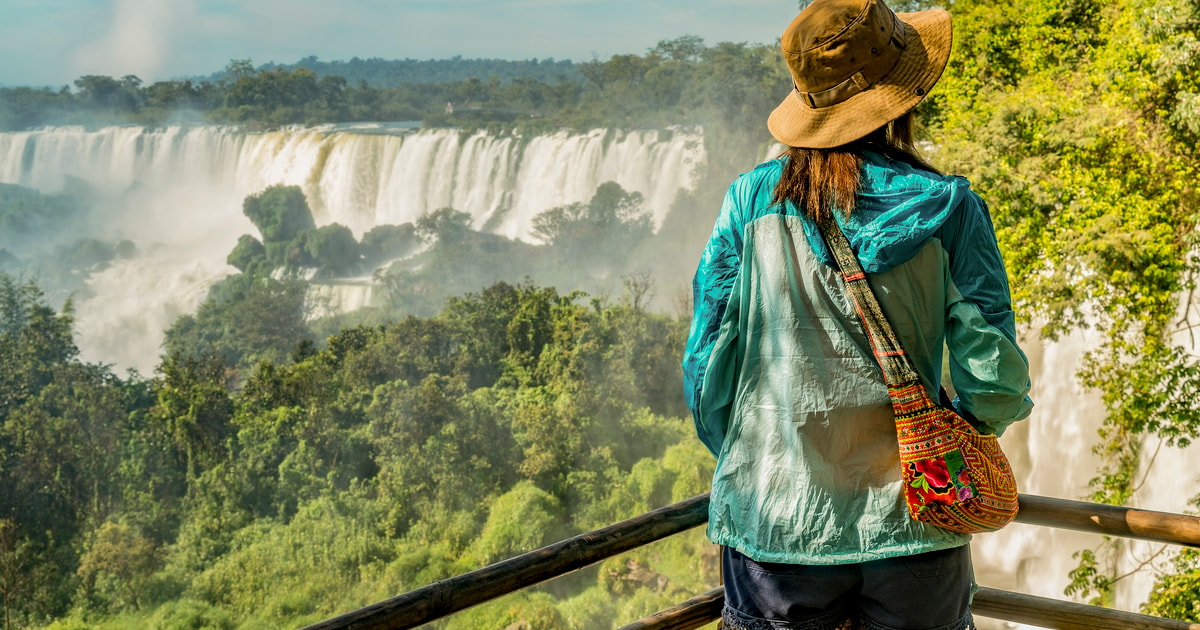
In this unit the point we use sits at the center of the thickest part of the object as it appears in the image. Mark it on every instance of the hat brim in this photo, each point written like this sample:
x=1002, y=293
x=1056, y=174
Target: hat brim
x=928, y=37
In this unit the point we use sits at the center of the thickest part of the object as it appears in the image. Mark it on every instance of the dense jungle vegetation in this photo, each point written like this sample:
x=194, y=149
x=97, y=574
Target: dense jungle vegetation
x=276, y=470
x=390, y=73
x=280, y=494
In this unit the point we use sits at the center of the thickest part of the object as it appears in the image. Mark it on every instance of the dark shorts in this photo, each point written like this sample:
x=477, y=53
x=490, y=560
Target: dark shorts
x=929, y=591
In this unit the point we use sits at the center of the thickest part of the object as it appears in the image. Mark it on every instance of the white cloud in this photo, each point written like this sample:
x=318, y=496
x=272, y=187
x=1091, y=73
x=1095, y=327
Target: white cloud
x=138, y=40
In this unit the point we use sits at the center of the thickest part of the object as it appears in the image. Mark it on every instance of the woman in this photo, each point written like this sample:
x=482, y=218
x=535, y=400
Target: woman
x=807, y=495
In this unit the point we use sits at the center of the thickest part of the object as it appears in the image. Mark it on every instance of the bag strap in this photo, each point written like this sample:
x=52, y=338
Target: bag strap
x=897, y=367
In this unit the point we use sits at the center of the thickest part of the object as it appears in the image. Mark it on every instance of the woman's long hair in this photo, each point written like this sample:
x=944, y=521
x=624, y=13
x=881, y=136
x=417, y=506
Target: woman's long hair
x=820, y=180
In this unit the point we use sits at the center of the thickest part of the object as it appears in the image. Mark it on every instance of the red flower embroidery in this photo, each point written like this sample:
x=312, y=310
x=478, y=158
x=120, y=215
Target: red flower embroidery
x=935, y=472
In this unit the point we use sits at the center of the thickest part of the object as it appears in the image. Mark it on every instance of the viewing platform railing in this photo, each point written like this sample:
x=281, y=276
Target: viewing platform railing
x=451, y=595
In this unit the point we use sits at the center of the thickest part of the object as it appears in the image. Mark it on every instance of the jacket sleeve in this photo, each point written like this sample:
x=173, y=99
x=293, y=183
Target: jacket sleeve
x=711, y=290
x=989, y=371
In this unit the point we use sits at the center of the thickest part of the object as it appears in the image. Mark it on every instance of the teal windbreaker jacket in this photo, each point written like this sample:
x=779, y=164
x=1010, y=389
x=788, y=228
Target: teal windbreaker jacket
x=780, y=377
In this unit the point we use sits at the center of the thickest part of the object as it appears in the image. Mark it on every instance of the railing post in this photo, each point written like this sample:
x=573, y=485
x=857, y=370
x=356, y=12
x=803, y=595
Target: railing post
x=1052, y=613
x=1114, y=520
x=688, y=615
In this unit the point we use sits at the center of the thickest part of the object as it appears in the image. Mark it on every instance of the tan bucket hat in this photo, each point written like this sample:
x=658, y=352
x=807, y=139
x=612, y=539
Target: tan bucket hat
x=856, y=66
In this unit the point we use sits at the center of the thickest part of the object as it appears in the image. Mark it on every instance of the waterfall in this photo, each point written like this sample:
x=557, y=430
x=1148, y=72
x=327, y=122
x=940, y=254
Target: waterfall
x=177, y=193
x=363, y=176
x=1051, y=454
x=342, y=296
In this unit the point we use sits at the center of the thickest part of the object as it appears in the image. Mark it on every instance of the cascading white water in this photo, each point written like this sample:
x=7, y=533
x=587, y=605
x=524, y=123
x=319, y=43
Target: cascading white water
x=361, y=177
x=343, y=296
x=177, y=194
x=1051, y=453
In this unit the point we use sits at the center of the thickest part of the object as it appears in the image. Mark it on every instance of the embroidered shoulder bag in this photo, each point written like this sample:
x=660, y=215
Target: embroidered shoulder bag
x=954, y=477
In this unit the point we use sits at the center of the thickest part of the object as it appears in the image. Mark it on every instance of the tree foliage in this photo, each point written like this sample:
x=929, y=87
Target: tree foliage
x=591, y=234
x=27, y=216
x=118, y=564
x=384, y=242
x=244, y=320
x=279, y=212
x=246, y=253
x=388, y=73
x=1174, y=594
x=332, y=249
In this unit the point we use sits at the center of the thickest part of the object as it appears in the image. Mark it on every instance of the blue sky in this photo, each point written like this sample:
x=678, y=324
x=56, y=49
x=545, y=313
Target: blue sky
x=53, y=42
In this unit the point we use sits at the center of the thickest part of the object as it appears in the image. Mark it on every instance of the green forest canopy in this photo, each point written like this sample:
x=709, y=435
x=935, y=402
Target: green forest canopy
x=390, y=73
x=661, y=88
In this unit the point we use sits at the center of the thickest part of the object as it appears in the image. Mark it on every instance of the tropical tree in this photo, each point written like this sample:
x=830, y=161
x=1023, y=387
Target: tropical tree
x=118, y=563
x=279, y=212
x=595, y=235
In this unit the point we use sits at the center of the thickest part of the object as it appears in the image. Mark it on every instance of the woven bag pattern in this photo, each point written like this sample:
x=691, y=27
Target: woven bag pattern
x=954, y=477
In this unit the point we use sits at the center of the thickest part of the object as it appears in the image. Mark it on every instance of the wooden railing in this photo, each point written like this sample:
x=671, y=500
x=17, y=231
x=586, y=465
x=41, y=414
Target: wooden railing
x=451, y=595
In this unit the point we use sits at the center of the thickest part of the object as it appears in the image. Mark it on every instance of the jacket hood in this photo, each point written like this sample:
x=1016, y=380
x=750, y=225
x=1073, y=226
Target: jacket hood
x=899, y=209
